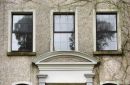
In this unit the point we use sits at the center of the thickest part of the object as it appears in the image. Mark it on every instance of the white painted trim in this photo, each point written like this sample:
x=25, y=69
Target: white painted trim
x=9, y=31
x=76, y=28
x=118, y=31
x=57, y=76
x=54, y=54
x=94, y=29
x=51, y=30
x=65, y=66
x=118, y=27
x=113, y=82
x=10, y=28
x=67, y=63
x=34, y=31
x=22, y=82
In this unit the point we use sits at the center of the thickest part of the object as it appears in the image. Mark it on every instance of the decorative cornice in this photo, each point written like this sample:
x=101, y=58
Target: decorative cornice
x=42, y=75
x=69, y=53
x=89, y=75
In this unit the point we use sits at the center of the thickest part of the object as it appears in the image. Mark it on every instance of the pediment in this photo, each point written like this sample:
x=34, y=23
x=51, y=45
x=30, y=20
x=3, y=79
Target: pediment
x=64, y=57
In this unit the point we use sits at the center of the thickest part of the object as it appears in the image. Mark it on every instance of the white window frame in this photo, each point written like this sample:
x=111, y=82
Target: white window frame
x=22, y=82
x=10, y=27
x=76, y=27
x=118, y=26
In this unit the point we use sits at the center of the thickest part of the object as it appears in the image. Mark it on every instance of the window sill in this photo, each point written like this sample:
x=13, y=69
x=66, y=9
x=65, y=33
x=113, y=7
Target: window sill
x=107, y=53
x=21, y=53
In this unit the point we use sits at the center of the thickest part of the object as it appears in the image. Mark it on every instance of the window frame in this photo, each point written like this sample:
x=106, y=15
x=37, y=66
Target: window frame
x=10, y=52
x=107, y=13
x=118, y=33
x=20, y=13
x=65, y=13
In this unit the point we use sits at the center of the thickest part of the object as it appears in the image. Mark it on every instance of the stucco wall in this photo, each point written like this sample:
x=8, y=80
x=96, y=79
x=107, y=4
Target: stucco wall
x=20, y=68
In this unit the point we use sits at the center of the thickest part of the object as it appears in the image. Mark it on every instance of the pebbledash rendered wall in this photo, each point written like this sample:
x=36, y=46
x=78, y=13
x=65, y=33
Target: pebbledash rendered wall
x=15, y=69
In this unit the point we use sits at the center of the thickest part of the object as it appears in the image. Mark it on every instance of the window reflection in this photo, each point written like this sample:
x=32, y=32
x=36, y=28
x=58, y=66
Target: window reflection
x=64, y=23
x=64, y=41
x=106, y=32
x=22, y=32
x=64, y=36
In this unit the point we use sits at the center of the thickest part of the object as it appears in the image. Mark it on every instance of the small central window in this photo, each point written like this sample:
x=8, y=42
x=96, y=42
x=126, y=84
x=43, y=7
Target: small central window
x=22, y=32
x=106, y=31
x=64, y=32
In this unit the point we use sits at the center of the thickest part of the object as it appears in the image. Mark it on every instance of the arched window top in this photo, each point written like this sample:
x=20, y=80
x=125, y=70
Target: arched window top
x=21, y=84
x=109, y=84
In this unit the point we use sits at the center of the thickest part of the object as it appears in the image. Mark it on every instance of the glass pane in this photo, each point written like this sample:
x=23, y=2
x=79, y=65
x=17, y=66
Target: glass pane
x=106, y=22
x=64, y=23
x=64, y=41
x=22, y=23
x=22, y=33
x=106, y=41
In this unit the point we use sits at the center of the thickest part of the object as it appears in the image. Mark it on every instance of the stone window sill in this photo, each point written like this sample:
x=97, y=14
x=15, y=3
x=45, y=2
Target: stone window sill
x=107, y=53
x=21, y=53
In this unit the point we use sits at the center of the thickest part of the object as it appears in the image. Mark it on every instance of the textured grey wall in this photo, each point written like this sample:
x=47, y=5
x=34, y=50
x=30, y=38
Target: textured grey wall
x=20, y=68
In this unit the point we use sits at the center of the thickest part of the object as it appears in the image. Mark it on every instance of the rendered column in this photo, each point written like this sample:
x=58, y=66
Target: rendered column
x=89, y=79
x=41, y=78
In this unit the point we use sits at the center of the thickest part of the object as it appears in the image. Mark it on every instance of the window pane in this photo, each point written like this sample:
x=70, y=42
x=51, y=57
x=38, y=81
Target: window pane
x=22, y=23
x=106, y=22
x=64, y=32
x=64, y=22
x=64, y=41
x=22, y=33
x=106, y=41
x=106, y=31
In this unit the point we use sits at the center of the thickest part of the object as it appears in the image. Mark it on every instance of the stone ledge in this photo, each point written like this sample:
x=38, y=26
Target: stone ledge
x=21, y=53
x=108, y=53
x=42, y=75
x=89, y=75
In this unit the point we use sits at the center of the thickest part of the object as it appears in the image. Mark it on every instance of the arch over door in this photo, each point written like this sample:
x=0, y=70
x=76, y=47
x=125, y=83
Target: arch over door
x=65, y=67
